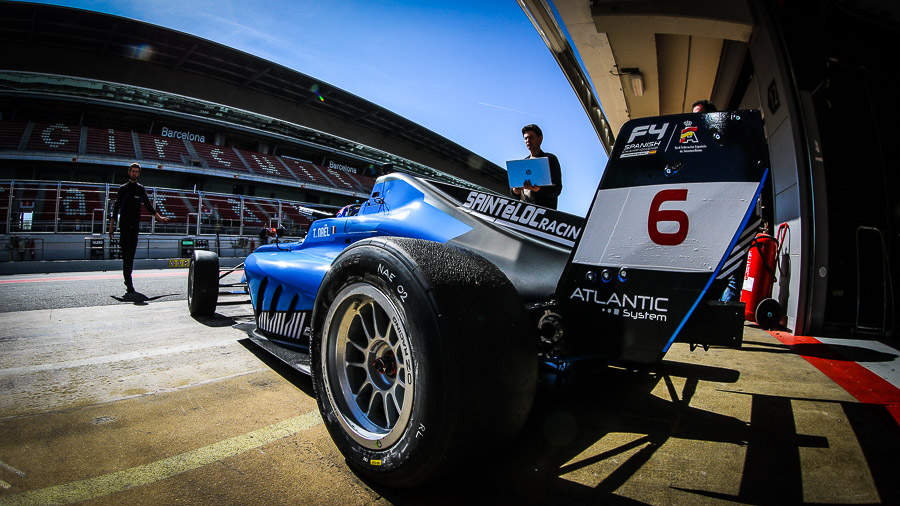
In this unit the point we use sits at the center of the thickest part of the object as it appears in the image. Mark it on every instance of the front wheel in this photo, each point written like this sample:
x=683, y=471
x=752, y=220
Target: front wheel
x=203, y=283
x=368, y=368
x=421, y=354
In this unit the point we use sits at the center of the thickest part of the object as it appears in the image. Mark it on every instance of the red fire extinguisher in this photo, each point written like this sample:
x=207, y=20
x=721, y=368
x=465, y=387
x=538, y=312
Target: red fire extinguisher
x=759, y=276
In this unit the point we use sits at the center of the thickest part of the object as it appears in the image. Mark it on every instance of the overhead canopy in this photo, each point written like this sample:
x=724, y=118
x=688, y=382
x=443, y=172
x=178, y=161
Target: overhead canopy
x=644, y=58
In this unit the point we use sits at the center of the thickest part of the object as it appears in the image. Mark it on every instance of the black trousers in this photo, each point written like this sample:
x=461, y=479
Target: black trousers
x=128, y=237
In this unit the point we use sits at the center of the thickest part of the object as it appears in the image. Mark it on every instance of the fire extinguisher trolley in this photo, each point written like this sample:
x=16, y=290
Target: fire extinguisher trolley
x=759, y=277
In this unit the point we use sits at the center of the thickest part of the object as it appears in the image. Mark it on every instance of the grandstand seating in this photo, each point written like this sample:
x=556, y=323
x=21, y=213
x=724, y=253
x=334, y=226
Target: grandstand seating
x=306, y=172
x=219, y=157
x=253, y=217
x=310, y=172
x=367, y=182
x=11, y=134
x=177, y=205
x=363, y=183
x=340, y=179
x=224, y=207
x=267, y=211
x=163, y=149
x=38, y=199
x=265, y=165
x=60, y=137
x=174, y=204
x=55, y=137
x=109, y=142
x=81, y=208
x=80, y=204
x=293, y=218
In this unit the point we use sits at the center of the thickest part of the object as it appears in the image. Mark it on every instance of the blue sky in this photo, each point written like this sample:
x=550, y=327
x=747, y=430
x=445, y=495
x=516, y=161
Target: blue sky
x=472, y=71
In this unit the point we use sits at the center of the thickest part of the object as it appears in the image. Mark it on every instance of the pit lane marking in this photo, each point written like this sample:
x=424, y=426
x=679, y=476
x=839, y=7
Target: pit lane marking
x=146, y=474
x=11, y=469
x=118, y=357
x=4, y=465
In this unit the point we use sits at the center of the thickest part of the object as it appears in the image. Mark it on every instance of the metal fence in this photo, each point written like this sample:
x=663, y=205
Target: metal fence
x=60, y=207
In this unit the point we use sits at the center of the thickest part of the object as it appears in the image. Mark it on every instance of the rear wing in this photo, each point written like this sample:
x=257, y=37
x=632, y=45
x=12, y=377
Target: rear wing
x=669, y=225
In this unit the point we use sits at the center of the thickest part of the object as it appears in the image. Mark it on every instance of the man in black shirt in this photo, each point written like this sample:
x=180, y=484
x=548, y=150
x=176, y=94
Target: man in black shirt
x=546, y=196
x=128, y=202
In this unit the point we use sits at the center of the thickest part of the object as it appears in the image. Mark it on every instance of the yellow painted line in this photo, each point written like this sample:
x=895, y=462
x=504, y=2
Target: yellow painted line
x=155, y=471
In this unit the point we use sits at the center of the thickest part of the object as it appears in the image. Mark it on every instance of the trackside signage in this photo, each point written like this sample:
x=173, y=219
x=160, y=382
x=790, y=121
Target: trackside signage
x=342, y=166
x=177, y=134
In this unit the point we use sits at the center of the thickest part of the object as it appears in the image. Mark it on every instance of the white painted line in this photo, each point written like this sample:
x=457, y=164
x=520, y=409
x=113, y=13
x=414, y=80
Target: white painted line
x=4, y=465
x=889, y=370
x=119, y=357
x=126, y=479
x=5, y=485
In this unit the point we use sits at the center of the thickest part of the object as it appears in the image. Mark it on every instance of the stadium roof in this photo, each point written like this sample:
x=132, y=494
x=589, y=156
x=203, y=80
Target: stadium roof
x=65, y=41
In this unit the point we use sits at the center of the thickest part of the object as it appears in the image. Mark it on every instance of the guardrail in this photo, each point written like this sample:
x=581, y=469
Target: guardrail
x=60, y=207
x=28, y=248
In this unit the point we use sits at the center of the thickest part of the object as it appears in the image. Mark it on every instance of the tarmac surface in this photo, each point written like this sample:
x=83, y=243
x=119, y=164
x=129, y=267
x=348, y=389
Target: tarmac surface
x=110, y=399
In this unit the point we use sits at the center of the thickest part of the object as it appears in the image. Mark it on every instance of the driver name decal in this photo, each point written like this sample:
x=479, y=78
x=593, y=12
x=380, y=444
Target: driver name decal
x=322, y=232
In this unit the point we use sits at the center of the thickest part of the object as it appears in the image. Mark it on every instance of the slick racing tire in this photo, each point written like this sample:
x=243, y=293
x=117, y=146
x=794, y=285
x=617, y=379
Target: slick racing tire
x=421, y=355
x=203, y=283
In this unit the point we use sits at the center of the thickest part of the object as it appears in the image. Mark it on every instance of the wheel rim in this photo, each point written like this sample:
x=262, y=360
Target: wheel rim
x=367, y=366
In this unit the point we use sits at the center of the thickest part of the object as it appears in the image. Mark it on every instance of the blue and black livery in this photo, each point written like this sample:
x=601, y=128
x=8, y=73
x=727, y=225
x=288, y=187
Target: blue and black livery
x=422, y=316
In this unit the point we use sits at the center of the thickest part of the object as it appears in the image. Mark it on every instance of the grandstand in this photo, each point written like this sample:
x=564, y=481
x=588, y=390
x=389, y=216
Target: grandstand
x=229, y=142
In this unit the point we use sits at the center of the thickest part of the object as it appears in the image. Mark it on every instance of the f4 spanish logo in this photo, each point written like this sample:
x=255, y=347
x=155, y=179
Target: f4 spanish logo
x=644, y=140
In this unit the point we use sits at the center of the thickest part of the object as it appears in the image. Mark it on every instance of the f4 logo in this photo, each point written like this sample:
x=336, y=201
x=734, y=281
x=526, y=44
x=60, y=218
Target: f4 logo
x=653, y=129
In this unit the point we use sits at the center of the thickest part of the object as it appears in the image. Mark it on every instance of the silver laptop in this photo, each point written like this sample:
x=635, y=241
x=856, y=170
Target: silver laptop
x=535, y=170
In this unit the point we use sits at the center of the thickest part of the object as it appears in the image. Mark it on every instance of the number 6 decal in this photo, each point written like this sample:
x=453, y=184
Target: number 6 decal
x=657, y=215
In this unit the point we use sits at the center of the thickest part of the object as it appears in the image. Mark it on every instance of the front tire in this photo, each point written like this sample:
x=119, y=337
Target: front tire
x=203, y=283
x=421, y=354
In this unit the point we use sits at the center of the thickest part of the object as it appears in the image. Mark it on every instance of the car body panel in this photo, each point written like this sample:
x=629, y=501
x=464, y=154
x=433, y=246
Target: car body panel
x=664, y=234
x=284, y=278
x=669, y=222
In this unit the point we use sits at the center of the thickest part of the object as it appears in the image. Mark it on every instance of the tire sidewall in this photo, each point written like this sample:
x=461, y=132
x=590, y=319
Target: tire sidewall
x=203, y=283
x=389, y=270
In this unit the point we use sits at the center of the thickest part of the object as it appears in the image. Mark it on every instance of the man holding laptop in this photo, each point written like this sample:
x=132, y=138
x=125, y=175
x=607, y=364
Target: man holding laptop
x=538, y=178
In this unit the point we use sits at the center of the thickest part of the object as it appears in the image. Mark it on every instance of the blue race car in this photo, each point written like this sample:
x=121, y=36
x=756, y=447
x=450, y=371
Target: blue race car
x=422, y=316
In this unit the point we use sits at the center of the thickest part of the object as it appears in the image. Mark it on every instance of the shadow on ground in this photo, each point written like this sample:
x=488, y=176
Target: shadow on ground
x=568, y=420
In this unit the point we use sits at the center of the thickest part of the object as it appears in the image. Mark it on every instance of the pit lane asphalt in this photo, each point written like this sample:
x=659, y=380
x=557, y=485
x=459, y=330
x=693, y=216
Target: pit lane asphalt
x=25, y=292
x=110, y=401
